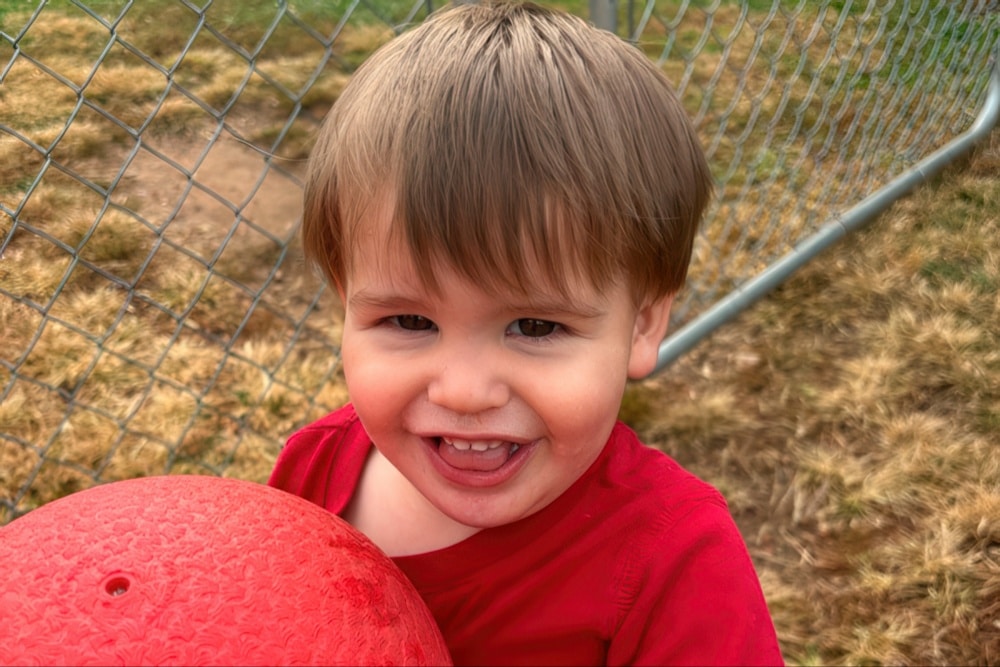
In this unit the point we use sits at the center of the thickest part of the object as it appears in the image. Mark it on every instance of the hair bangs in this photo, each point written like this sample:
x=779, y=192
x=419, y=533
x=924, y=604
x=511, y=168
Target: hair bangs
x=519, y=158
x=486, y=184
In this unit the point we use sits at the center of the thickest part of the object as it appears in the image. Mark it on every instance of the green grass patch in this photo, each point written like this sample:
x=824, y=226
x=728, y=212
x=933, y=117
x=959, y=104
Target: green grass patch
x=941, y=272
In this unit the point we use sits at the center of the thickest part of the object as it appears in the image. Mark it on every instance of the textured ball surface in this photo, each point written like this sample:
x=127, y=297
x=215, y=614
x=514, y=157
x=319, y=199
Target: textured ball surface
x=202, y=570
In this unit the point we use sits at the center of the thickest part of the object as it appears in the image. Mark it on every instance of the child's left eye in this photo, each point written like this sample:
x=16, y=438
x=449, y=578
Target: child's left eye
x=532, y=328
x=412, y=322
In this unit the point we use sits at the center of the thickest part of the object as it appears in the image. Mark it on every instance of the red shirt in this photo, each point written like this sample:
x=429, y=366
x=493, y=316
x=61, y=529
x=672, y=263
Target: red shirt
x=638, y=562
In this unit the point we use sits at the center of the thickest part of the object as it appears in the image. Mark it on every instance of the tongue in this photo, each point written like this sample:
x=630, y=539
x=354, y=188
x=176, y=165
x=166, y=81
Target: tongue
x=470, y=459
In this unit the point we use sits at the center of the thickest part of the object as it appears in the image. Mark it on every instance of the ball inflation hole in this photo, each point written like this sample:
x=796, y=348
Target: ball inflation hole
x=117, y=586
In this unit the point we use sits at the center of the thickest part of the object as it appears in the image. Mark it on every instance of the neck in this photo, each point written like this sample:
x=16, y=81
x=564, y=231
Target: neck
x=394, y=515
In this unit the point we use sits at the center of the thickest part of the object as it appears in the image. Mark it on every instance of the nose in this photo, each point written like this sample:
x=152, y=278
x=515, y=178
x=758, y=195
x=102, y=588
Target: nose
x=468, y=383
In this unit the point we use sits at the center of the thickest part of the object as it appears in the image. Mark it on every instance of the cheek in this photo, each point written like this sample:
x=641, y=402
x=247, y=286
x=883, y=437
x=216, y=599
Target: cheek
x=374, y=388
x=585, y=406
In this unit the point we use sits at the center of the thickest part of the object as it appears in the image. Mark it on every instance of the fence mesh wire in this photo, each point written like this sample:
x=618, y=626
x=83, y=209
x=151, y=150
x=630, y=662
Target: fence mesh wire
x=155, y=311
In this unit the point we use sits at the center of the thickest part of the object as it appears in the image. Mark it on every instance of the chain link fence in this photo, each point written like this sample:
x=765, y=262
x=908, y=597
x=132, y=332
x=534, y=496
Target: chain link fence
x=155, y=311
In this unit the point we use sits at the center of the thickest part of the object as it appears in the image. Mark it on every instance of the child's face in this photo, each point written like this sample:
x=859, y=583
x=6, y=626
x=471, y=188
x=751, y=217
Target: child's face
x=490, y=406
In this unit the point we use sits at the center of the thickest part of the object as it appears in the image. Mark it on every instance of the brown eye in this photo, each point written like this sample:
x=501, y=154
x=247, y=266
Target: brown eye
x=413, y=322
x=534, y=328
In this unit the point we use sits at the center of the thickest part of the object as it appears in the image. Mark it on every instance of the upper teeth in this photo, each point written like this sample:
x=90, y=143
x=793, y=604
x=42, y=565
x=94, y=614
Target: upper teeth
x=478, y=446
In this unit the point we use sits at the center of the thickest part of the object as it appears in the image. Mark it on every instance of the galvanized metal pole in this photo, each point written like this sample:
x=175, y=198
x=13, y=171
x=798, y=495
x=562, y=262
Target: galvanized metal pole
x=858, y=216
x=604, y=14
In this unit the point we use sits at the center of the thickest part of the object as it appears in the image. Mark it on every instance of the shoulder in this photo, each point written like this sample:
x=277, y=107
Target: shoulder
x=632, y=500
x=338, y=430
x=686, y=566
x=669, y=510
x=648, y=479
x=321, y=461
x=340, y=420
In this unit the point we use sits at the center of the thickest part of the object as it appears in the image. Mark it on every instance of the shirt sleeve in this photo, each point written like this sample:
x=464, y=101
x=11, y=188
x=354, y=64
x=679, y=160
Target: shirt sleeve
x=693, y=596
x=323, y=461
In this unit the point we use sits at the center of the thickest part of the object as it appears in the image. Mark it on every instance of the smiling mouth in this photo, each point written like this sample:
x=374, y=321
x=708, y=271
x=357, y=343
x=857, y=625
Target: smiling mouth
x=476, y=455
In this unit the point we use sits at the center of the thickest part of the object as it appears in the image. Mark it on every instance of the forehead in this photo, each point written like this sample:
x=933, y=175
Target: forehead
x=385, y=248
x=383, y=266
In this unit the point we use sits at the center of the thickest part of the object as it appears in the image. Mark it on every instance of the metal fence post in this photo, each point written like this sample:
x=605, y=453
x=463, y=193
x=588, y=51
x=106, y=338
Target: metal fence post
x=604, y=14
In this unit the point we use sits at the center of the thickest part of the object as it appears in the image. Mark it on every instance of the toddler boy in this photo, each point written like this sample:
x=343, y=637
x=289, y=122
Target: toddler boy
x=505, y=199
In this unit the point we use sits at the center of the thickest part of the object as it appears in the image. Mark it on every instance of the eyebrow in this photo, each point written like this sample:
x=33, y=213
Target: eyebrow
x=373, y=299
x=555, y=308
x=544, y=307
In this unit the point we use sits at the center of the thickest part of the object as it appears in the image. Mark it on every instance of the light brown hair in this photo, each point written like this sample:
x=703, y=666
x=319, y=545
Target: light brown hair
x=512, y=138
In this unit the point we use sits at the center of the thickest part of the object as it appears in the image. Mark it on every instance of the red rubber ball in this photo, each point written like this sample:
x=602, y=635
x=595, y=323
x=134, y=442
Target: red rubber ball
x=199, y=570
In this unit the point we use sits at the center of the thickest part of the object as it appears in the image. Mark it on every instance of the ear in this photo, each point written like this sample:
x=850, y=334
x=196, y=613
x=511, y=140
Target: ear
x=651, y=324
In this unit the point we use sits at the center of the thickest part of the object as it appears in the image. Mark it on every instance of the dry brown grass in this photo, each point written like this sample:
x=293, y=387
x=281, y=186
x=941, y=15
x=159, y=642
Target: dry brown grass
x=141, y=336
x=852, y=420
x=849, y=418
